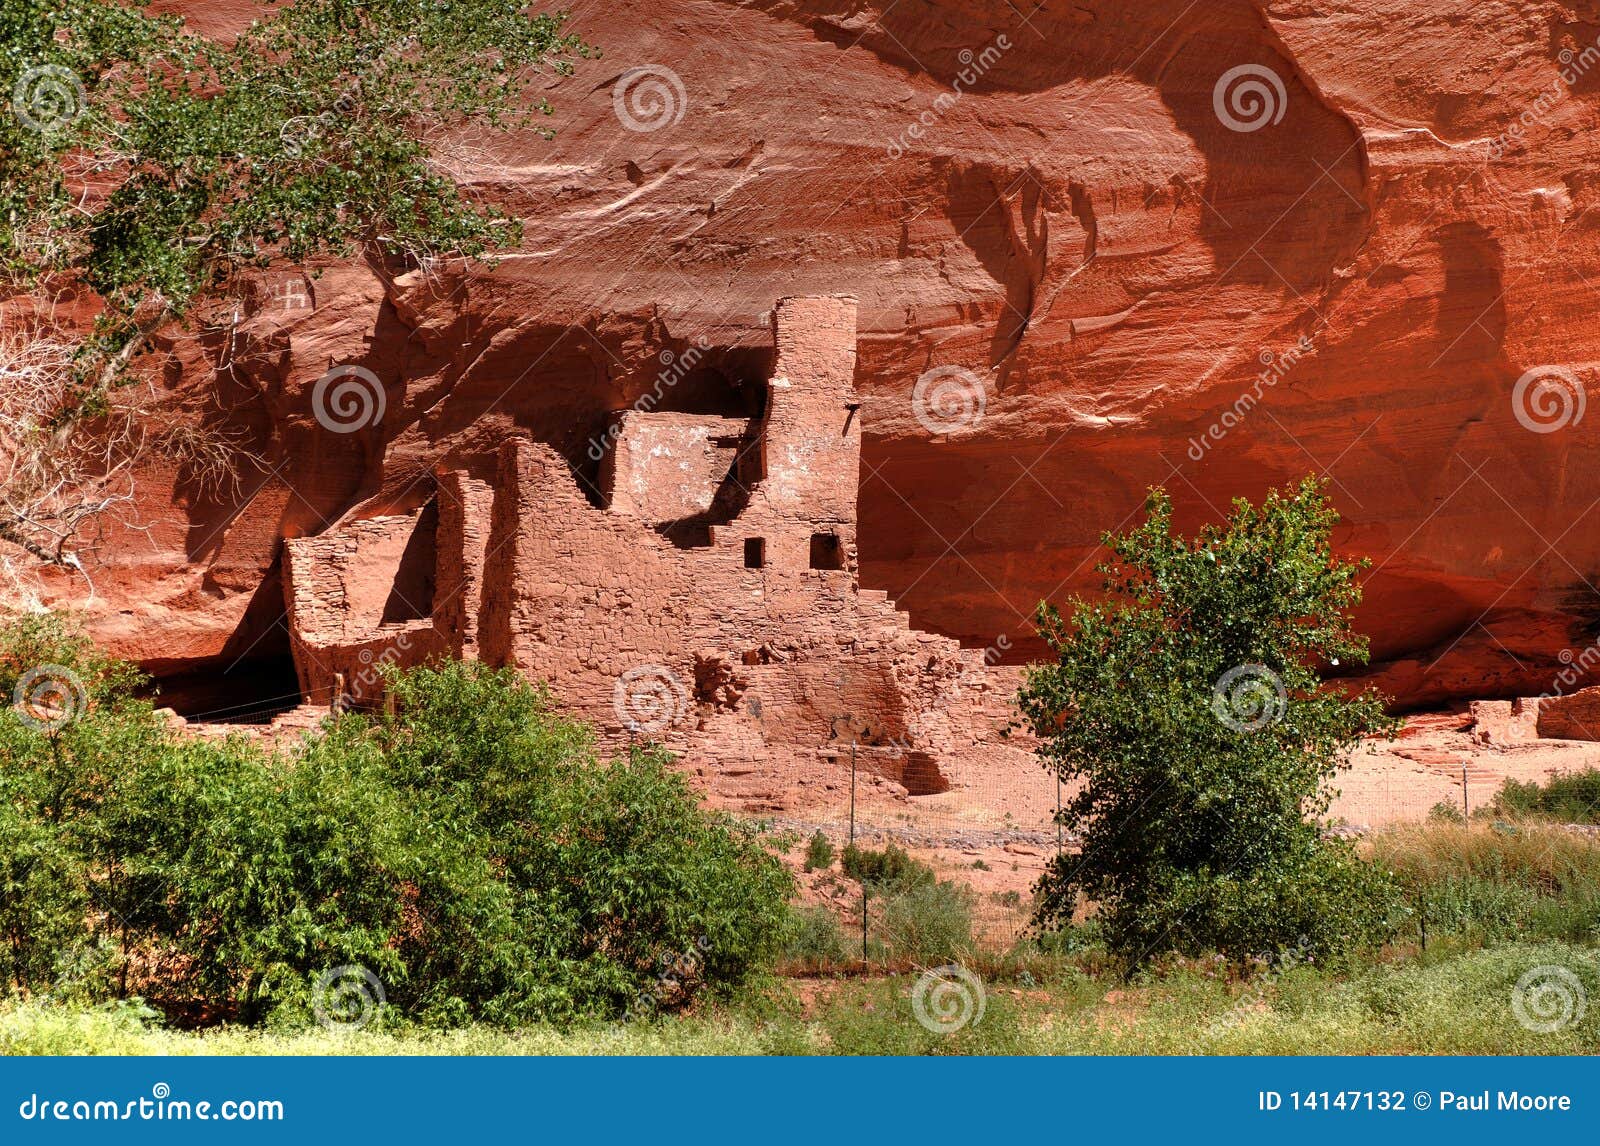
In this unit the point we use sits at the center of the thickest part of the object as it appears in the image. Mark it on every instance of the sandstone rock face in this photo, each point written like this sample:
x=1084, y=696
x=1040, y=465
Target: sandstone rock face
x=1096, y=244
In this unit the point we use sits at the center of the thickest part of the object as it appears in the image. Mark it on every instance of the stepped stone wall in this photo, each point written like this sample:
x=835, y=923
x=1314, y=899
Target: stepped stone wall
x=705, y=594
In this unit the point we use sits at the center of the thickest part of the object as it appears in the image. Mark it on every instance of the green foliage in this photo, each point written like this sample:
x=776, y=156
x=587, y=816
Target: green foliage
x=1567, y=797
x=1446, y=812
x=305, y=135
x=928, y=923
x=814, y=940
x=1492, y=884
x=53, y=909
x=913, y=915
x=819, y=852
x=609, y=870
x=1188, y=713
x=470, y=851
x=1458, y=1004
x=885, y=872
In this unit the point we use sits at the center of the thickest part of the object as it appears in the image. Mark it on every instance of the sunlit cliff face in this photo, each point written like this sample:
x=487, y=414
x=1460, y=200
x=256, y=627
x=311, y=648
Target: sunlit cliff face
x=1101, y=247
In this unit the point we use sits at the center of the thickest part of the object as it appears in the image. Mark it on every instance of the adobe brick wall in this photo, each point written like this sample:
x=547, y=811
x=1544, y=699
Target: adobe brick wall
x=336, y=587
x=665, y=466
x=466, y=507
x=728, y=645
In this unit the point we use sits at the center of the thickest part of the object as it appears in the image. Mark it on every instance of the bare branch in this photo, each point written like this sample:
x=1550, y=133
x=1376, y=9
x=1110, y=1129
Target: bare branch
x=66, y=470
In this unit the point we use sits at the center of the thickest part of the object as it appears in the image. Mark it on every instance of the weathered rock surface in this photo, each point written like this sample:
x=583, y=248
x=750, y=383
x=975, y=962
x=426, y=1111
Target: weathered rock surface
x=1115, y=267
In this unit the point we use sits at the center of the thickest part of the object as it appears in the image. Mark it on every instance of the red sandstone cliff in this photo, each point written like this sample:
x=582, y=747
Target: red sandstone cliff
x=1078, y=227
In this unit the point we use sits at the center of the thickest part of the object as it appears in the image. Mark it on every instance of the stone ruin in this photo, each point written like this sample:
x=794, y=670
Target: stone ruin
x=711, y=602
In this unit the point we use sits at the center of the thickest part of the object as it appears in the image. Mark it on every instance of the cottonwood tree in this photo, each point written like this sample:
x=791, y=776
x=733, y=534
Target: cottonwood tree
x=145, y=172
x=1187, y=711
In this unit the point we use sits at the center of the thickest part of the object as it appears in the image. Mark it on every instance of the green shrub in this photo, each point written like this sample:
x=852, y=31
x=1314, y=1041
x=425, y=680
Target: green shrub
x=1446, y=812
x=65, y=892
x=1068, y=939
x=44, y=898
x=1495, y=883
x=814, y=941
x=611, y=872
x=885, y=872
x=819, y=853
x=928, y=923
x=1187, y=711
x=1567, y=797
x=256, y=874
x=469, y=850
x=913, y=916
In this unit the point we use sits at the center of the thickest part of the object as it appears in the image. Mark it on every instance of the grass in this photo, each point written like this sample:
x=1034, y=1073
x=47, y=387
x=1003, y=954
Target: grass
x=1458, y=1002
x=1501, y=903
x=1500, y=882
x=1567, y=797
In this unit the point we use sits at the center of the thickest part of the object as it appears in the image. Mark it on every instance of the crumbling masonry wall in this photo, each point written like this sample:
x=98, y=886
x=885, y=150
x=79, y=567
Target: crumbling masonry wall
x=744, y=642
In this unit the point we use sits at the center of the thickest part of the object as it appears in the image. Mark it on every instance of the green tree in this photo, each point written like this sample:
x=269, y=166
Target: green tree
x=469, y=851
x=1188, y=713
x=148, y=170
x=69, y=732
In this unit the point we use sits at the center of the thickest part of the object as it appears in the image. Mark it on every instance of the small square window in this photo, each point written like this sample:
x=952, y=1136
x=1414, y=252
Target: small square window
x=827, y=551
x=755, y=552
